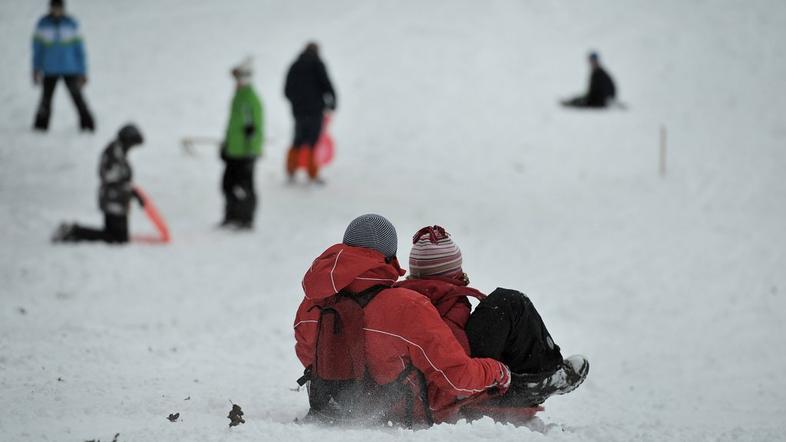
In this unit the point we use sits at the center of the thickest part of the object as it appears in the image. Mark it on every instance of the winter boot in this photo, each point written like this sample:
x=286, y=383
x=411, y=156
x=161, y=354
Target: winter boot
x=41, y=122
x=565, y=379
x=63, y=233
x=87, y=124
x=528, y=390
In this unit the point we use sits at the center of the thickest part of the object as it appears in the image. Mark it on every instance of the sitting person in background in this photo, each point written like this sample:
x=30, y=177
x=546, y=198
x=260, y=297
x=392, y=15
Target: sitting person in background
x=505, y=325
x=601, y=87
x=114, y=195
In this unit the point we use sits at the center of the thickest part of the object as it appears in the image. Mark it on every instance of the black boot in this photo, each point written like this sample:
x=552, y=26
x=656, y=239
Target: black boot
x=87, y=124
x=41, y=121
x=63, y=233
x=527, y=390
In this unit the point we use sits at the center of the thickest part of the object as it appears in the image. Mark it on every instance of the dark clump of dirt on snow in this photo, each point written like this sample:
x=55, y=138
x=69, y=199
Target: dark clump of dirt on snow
x=235, y=416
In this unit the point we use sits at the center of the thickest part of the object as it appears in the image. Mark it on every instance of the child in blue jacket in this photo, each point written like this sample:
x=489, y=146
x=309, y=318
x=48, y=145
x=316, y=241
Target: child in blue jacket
x=58, y=52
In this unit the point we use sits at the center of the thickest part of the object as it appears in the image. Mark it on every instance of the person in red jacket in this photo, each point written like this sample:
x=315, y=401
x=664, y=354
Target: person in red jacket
x=505, y=325
x=402, y=329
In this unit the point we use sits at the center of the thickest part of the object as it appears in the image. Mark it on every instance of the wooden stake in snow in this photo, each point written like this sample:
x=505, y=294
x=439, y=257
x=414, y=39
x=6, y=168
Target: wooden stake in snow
x=663, y=150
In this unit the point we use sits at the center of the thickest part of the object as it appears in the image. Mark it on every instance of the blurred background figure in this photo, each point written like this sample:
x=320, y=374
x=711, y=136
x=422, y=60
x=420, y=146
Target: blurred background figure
x=58, y=52
x=240, y=150
x=310, y=92
x=114, y=195
x=601, y=87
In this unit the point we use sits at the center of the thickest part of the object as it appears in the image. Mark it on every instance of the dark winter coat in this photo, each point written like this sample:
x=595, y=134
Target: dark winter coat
x=402, y=328
x=114, y=195
x=308, y=87
x=601, y=88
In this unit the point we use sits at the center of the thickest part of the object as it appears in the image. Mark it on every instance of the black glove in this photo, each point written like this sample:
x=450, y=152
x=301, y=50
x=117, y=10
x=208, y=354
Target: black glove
x=330, y=102
x=138, y=197
x=249, y=130
x=222, y=153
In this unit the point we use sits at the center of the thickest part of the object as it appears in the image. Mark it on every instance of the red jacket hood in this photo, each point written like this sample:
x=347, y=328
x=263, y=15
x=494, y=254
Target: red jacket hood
x=449, y=296
x=441, y=290
x=346, y=267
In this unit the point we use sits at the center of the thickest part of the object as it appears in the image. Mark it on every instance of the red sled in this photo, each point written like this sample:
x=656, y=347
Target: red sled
x=152, y=213
x=479, y=406
x=505, y=415
x=324, y=150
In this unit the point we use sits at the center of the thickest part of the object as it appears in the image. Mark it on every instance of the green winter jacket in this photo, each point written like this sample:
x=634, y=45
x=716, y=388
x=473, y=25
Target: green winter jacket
x=245, y=131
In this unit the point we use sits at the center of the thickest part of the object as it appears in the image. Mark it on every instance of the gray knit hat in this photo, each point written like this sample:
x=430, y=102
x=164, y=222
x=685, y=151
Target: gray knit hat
x=373, y=232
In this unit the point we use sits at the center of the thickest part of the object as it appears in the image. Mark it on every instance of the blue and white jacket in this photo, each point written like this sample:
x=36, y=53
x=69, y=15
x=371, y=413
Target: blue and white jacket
x=58, y=47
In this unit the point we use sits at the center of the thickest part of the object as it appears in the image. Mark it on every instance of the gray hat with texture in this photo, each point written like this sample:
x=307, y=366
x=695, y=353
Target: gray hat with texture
x=373, y=232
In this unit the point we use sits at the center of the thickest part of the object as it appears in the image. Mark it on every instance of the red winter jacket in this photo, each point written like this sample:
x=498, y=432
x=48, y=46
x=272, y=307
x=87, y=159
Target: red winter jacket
x=402, y=328
x=449, y=296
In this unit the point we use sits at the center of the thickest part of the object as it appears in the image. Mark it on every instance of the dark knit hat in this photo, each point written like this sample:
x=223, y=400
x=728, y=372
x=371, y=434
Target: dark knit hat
x=373, y=232
x=129, y=136
x=434, y=254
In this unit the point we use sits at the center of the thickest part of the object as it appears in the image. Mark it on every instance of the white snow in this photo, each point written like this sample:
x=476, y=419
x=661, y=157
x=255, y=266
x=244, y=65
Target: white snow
x=675, y=287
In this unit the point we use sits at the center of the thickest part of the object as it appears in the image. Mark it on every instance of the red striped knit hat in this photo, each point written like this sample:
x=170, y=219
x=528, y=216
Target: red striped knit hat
x=434, y=253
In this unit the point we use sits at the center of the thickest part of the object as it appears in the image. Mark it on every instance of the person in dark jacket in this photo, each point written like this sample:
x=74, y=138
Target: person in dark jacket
x=310, y=92
x=505, y=325
x=601, y=87
x=58, y=52
x=114, y=194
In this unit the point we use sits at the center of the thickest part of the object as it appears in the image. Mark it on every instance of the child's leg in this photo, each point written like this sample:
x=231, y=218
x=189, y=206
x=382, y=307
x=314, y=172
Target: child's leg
x=116, y=228
x=505, y=326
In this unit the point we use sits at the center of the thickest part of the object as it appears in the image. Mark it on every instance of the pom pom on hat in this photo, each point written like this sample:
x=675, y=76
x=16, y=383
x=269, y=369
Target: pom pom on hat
x=244, y=70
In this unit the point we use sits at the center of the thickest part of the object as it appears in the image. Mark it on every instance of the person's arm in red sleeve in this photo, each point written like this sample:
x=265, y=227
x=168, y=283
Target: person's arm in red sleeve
x=434, y=350
x=306, y=332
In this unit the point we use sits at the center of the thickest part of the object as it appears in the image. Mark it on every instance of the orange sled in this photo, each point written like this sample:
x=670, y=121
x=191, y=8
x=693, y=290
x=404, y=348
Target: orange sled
x=152, y=213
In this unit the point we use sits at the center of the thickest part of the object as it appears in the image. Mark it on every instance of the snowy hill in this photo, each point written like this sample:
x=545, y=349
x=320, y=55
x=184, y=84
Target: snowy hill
x=674, y=287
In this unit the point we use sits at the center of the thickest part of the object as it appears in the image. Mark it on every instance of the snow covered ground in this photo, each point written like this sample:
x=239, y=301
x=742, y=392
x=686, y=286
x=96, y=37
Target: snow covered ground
x=675, y=287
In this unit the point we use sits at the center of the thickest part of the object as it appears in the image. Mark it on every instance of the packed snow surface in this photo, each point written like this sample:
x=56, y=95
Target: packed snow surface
x=674, y=287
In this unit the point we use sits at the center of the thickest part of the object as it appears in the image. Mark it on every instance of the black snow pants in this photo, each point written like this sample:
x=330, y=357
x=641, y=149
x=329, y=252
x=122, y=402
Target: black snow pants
x=307, y=130
x=115, y=231
x=45, y=106
x=238, y=188
x=505, y=326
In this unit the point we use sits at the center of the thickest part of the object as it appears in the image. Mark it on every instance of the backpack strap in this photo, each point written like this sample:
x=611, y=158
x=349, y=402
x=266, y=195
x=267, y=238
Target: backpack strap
x=422, y=396
x=301, y=381
x=366, y=296
x=363, y=299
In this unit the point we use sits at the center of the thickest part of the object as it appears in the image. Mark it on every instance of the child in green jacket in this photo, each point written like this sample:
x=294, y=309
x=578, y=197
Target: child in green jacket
x=242, y=146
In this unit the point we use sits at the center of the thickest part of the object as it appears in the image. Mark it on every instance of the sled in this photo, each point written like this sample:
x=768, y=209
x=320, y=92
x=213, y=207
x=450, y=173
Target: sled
x=152, y=213
x=324, y=150
x=505, y=415
x=480, y=406
x=612, y=104
x=188, y=144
